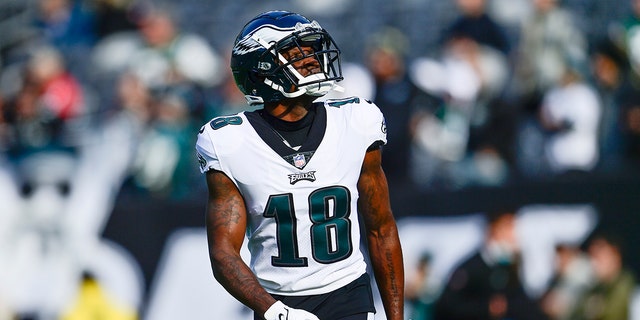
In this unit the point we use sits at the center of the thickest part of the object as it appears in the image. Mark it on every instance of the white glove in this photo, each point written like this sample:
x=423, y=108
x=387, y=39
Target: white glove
x=280, y=311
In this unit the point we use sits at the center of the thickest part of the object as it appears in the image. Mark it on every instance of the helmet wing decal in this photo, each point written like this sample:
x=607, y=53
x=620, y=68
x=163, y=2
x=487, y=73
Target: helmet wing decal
x=245, y=46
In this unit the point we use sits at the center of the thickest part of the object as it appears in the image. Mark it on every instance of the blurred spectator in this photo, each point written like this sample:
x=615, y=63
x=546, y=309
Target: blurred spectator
x=550, y=40
x=112, y=16
x=618, y=88
x=475, y=22
x=462, y=142
x=571, y=114
x=610, y=296
x=163, y=161
x=132, y=96
x=65, y=23
x=561, y=138
x=488, y=285
x=60, y=92
x=169, y=70
x=420, y=291
x=68, y=26
x=484, y=43
x=573, y=275
x=48, y=107
x=399, y=99
x=159, y=53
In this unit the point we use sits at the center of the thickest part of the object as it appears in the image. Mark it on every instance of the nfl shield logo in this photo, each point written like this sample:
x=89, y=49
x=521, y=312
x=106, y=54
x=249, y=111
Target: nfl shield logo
x=299, y=161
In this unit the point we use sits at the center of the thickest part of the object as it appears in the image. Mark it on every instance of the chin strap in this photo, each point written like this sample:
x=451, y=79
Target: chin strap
x=314, y=89
x=256, y=100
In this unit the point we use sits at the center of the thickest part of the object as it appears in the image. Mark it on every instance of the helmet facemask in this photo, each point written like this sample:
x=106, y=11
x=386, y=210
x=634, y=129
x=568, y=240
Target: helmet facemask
x=325, y=52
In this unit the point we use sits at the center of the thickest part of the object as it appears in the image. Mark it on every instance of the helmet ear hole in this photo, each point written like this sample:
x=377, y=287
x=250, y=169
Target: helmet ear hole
x=255, y=80
x=254, y=77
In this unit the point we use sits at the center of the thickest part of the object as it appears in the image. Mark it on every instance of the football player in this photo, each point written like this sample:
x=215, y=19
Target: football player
x=295, y=177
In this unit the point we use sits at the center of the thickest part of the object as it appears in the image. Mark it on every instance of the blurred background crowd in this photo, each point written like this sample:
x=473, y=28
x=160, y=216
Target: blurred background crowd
x=490, y=104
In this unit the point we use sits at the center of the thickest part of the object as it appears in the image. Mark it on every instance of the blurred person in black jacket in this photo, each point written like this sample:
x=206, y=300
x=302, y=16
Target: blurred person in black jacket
x=488, y=284
x=476, y=23
x=400, y=100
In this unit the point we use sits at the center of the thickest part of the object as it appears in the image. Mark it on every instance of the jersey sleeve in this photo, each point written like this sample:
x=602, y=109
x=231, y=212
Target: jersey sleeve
x=371, y=121
x=365, y=117
x=206, y=153
x=378, y=125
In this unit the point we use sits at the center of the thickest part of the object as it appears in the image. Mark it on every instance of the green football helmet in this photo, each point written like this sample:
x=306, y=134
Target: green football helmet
x=264, y=75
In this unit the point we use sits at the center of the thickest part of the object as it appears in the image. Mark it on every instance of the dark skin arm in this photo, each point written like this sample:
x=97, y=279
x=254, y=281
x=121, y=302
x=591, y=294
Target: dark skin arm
x=382, y=235
x=226, y=222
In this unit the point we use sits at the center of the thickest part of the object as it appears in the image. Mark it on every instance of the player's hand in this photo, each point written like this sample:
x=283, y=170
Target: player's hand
x=280, y=311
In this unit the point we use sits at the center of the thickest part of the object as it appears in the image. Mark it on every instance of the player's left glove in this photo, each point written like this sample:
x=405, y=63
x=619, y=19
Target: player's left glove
x=280, y=311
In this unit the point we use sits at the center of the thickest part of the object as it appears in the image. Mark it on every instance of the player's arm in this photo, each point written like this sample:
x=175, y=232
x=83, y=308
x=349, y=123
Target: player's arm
x=382, y=235
x=226, y=221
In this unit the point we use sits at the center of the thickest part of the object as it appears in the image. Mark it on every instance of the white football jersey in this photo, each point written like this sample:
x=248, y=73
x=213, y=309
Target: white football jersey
x=303, y=231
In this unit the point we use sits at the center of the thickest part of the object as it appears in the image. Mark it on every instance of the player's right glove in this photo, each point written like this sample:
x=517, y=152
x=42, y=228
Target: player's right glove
x=280, y=311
